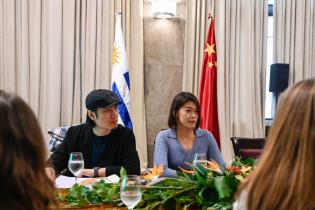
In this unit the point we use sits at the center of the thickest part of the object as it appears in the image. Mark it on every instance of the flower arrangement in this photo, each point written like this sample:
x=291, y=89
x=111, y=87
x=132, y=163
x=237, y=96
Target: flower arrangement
x=204, y=187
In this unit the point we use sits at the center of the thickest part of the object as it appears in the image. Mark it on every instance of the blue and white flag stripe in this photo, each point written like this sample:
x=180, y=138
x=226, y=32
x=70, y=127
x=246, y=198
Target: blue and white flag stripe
x=126, y=76
x=120, y=76
x=122, y=109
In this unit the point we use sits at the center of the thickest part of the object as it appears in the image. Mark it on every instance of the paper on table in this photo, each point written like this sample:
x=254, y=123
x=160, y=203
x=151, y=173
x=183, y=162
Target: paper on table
x=111, y=179
x=67, y=182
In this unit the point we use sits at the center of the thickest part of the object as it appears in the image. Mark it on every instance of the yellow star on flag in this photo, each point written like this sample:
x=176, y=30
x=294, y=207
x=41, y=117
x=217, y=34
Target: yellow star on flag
x=211, y=64
x=210, y=49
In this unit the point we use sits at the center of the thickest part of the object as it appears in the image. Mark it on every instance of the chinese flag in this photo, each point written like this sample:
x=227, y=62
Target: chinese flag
x=208, y=87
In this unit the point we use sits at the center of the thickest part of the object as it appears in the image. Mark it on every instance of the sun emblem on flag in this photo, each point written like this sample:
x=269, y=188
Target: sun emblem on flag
x=116, y=54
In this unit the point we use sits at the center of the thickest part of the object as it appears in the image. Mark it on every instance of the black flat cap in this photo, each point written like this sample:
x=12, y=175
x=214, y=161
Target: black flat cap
x=101, y=98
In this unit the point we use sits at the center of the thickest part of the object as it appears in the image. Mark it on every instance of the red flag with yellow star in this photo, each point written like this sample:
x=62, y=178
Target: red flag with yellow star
x=208, y=87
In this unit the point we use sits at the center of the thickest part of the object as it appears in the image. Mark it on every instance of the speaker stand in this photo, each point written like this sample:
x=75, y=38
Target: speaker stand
x=274, y=103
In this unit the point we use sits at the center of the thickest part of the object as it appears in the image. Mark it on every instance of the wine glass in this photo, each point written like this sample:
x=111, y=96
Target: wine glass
x=130, y=192
x=76, y=164
x=200, y=159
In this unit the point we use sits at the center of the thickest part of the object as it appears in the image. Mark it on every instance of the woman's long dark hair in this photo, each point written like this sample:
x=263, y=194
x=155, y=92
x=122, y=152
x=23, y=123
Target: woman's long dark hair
x=23, y=181
x=179, y=100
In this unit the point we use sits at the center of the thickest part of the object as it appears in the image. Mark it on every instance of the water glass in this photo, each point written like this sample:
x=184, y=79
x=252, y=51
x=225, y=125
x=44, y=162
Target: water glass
x=200, y=159
x=76, y=164
x=130, y=191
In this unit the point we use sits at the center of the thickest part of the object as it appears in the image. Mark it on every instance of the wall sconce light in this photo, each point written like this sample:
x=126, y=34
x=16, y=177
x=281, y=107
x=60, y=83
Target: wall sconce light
x=163, y=8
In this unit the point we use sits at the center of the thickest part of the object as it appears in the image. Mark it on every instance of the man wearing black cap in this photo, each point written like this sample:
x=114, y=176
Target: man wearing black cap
x=106, y=146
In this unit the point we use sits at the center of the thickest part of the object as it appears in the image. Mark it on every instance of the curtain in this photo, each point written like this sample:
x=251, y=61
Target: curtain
x=241, y=50
x=196, y=30
x=294, y=37
x=53, y=53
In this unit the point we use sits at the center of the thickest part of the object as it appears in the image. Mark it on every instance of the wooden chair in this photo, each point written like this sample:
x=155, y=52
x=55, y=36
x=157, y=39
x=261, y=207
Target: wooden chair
x=248, y=147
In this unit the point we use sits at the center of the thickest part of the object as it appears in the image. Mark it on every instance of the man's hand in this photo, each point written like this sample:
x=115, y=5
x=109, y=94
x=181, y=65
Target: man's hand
x=87, y=172
x=50, y=172
x=90, y=172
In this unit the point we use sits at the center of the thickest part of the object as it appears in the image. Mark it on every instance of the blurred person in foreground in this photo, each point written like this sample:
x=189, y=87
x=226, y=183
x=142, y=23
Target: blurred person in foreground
x=284, y=179
x=23, y=181
x=184, y=138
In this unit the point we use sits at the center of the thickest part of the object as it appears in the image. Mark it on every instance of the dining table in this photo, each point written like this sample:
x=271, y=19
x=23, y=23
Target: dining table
x=97, y=207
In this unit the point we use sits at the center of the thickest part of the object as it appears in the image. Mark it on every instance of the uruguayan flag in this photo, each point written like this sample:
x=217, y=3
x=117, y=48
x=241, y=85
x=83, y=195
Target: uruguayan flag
x=120, y=75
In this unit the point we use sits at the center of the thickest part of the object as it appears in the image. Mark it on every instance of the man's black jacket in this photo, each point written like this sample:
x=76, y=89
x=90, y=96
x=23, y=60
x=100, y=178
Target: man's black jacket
x=120, y=150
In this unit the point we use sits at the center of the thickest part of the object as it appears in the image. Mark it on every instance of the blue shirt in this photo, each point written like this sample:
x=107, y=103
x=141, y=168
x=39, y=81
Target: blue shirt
x=170, y=153
x=99, y=145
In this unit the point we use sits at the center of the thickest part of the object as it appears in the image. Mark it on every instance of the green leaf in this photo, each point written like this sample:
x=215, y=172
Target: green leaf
x=148, y=197
x=223, y=187
x=183, y=199
x=250, y=161
x=201, y=170
x=225, y=205
x=123, y=172
x=112, y=192
x=184, y=175
x=199, y=197
x=202, y=181
x=210, y=179
x=61, y=198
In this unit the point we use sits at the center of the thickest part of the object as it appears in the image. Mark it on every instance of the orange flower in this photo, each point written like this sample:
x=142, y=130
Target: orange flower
x=235, y=169
x=214, y=166
x=155, y=173
x=186, y=171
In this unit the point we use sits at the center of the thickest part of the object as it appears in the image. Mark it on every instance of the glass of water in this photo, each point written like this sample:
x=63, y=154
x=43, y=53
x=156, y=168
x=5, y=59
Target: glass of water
x=130, y=191
x=76, y=164
x=200, y=159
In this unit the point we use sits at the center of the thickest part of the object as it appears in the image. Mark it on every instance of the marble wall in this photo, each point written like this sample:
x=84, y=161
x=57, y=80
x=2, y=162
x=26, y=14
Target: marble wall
x=163, y=64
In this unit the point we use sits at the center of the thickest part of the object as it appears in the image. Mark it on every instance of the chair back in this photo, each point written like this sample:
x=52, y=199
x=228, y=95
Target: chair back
x=247, y=147
x=56, y=137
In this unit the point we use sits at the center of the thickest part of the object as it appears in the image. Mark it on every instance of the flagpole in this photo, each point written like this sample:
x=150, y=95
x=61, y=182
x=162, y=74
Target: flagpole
x=118, y=15
x=210, y=16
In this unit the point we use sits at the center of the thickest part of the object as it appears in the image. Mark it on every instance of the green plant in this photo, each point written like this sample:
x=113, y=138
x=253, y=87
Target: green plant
x=208, y=188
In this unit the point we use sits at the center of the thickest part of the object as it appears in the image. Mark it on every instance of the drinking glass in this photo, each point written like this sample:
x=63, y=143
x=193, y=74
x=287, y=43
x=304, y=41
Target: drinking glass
x=200, y=159
x=130, y=191
x=76, y=164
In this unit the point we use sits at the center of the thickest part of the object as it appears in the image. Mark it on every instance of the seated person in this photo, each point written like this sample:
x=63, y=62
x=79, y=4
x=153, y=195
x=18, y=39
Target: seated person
x=284, y=177
x=184, y=138
x=24, y=183
x=106, y=146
